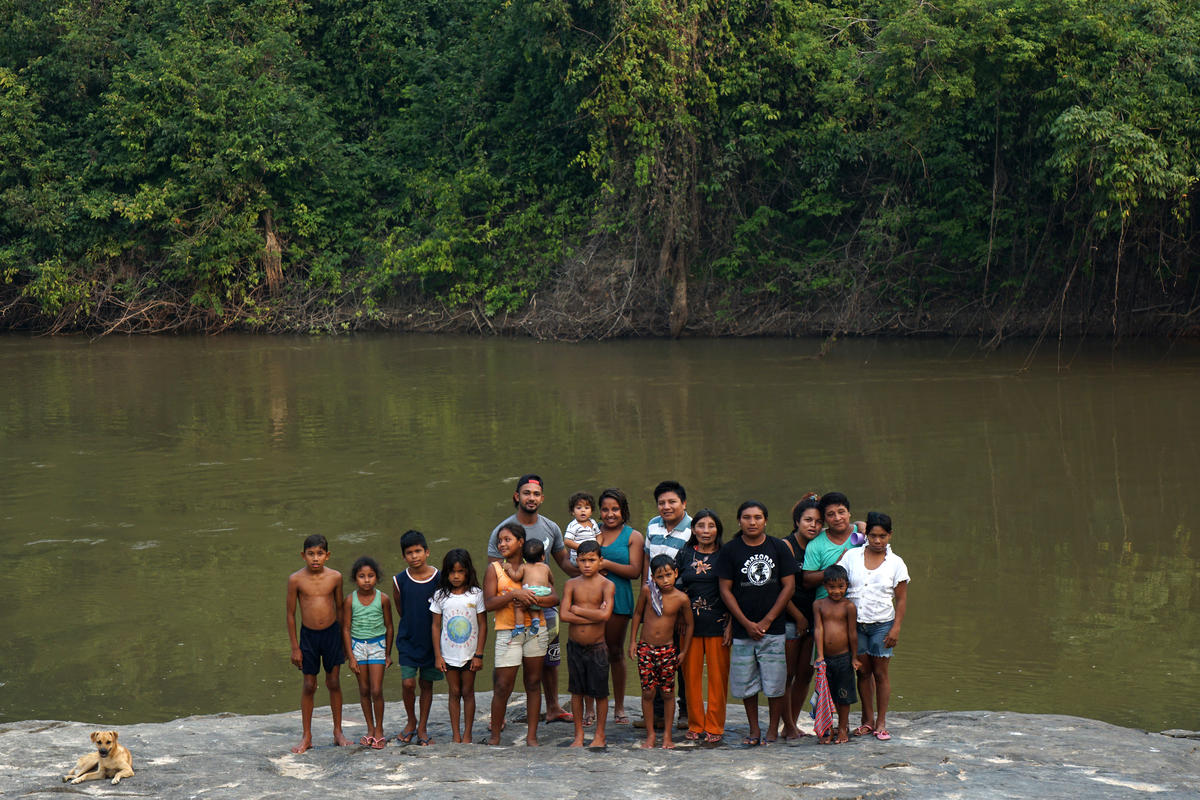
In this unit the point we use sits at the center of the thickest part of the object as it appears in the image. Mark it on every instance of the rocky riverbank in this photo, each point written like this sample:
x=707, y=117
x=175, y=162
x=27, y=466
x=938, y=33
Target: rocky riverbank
x=979, y=754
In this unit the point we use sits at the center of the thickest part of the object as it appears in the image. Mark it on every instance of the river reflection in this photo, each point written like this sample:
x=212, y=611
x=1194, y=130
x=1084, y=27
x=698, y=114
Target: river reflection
x=157, y=491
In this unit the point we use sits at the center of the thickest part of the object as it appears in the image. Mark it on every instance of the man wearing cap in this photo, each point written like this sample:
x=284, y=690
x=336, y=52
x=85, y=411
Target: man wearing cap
x=528, y=499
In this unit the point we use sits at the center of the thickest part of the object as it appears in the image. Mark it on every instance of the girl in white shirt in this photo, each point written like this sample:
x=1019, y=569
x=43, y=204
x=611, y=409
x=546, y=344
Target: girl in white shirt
x=459, y=633
x=879, y=591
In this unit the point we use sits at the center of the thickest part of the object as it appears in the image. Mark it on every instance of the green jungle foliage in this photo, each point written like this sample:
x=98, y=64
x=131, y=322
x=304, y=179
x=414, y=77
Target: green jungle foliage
x=198, y=164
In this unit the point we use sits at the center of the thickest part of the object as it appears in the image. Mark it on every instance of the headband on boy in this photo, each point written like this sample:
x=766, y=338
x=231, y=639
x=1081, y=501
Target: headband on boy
x=529, y=478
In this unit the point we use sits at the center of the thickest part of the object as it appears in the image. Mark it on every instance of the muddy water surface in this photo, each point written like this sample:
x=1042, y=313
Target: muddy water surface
x=156, y=492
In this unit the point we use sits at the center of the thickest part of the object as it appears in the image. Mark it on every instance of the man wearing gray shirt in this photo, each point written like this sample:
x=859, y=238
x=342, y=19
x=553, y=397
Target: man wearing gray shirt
x=528, y=499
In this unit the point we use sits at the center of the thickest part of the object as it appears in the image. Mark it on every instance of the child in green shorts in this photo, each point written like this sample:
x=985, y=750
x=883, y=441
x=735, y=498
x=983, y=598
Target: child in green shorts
x=414, y=634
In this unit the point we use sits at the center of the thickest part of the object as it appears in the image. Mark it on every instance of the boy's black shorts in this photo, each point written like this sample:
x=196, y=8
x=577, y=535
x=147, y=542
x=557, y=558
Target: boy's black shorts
x=321, y=646
x=587, y=669
x=839, y=670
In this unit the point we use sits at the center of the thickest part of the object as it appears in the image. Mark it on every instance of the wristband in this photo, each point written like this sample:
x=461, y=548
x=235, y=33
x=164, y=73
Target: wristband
x=479, y=656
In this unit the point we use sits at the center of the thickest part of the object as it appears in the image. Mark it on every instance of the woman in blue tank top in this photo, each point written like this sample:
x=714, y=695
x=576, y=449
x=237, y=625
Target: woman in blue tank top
x=621, y=549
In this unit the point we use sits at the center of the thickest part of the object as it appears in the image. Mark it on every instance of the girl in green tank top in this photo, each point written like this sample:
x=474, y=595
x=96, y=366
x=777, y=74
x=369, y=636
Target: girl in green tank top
x=368, y=643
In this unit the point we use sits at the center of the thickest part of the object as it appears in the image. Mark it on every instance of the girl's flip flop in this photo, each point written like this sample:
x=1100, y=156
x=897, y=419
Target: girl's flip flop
x=882, y=735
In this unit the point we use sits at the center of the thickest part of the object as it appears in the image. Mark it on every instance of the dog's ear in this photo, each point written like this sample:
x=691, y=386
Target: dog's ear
x=95, y=735
x=113, y=734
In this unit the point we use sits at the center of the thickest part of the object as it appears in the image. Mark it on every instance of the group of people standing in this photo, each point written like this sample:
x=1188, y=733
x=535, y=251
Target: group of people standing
x=748, y=614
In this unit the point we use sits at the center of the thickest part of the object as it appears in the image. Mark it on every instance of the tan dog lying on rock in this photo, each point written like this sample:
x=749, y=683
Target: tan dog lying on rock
x=111, y=760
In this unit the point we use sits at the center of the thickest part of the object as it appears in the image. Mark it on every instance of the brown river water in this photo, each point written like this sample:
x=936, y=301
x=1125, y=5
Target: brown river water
x=156, y=493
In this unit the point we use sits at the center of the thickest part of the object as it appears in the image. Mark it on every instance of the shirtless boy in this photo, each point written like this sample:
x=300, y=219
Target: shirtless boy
x=835, y=635
x=655, y=652
x=532, y=574
x=587, y=604
x=319, y=593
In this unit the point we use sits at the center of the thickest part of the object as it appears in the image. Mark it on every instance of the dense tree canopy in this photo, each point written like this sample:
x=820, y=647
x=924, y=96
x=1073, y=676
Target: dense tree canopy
x=592, y=168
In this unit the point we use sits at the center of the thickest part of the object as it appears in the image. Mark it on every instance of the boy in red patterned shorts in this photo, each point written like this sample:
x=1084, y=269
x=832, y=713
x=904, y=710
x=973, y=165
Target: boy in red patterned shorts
x=655, y=652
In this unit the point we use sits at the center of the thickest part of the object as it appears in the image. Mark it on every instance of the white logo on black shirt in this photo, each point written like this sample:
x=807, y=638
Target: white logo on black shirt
x=758, y=569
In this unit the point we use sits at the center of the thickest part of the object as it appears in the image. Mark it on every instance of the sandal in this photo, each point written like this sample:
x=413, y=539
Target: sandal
x=751, y=741
x=713, y=738
x=621, y=719
x=367, y=741
x=407, y=736
x=380, y=743
x=425, y=742
x=882, y=735
x=862, y=730
x=692, y=736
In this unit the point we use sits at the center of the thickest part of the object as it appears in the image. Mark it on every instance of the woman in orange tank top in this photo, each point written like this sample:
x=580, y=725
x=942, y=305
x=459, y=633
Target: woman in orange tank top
x=527, y=650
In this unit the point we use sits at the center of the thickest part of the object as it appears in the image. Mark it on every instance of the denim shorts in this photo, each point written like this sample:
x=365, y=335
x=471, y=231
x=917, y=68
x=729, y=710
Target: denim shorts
x=871, y=636
x=370, y=651
x=790, y=633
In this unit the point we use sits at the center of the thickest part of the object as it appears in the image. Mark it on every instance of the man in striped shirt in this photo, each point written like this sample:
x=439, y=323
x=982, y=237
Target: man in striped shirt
x=666, y=534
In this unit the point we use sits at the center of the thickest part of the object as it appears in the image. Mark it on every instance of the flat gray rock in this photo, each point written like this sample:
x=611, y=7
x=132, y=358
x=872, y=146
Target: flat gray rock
x=933, y=754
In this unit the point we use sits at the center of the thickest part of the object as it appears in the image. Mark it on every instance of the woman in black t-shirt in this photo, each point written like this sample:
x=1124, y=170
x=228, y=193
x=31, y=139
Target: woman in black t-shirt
x=696, y=564
x=806, y=524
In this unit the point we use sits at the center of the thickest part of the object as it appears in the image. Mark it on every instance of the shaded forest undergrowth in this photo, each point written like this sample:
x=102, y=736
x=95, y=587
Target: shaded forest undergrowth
x=619, y=300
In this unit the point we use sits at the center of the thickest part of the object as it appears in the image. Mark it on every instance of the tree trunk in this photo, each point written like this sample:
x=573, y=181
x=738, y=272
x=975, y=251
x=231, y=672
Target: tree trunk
x=272, y=256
